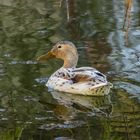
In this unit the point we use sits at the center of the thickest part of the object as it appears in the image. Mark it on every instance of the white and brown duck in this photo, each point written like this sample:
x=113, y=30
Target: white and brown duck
x=69, y=79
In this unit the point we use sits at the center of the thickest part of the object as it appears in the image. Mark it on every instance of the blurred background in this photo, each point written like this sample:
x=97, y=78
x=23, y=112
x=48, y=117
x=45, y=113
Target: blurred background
x=104, y=39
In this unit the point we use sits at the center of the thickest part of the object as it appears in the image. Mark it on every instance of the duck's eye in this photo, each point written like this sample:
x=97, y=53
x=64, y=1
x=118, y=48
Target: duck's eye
x=59, y=47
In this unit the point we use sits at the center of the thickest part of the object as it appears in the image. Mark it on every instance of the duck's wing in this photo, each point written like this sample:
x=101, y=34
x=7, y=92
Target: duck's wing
x=85, y=74
x=80, y=75
x=83, y=80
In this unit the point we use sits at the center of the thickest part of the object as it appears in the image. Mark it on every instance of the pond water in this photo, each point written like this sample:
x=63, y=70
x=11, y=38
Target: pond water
x=29, y=28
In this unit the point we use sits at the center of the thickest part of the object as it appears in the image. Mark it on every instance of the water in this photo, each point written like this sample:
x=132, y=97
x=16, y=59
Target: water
x=30, y=28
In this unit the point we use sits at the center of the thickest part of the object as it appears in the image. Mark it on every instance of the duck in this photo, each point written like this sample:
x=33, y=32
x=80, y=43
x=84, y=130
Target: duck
x=69, y=78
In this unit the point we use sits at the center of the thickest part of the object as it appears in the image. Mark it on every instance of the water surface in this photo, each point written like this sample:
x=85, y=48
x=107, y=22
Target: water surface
x=30, y=28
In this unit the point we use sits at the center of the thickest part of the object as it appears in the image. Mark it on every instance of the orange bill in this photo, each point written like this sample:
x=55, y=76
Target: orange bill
x=45, y=57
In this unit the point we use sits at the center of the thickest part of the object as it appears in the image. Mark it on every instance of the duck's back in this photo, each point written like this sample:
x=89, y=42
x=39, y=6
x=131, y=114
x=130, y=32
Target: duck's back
x=83, y=80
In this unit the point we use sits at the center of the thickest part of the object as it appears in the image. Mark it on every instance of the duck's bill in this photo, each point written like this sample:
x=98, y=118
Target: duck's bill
x=45, y=57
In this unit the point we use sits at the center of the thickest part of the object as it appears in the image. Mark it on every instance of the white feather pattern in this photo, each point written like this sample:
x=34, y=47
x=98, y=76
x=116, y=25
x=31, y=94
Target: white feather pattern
x=62, y=80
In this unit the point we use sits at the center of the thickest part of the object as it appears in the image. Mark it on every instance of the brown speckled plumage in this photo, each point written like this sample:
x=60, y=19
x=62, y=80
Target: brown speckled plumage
x=83, y=80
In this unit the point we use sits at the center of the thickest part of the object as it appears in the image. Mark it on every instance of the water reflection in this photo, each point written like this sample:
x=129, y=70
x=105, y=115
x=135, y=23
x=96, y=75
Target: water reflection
x=74, y=103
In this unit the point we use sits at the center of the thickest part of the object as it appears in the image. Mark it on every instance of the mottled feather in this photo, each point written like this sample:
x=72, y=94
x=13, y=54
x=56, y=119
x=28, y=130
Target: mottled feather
x=83, y=80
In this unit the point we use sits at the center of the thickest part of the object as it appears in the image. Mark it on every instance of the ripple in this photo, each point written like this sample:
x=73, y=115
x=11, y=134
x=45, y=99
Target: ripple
x=132, y=89
x=63, y=138
x=65, y=125
x=136, y=33
x=41, y=80
x=42, y=118
x=29, y=62
x=2, y=109
x=29, y=98
x=4, y=119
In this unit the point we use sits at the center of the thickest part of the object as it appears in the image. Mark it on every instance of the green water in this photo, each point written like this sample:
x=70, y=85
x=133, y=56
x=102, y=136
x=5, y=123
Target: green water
x=29, y=28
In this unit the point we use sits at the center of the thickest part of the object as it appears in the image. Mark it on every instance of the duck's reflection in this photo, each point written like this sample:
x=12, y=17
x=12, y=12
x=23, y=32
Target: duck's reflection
x=67, y=106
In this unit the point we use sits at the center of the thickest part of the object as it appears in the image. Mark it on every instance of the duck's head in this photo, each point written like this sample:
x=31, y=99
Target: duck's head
x=64, y=50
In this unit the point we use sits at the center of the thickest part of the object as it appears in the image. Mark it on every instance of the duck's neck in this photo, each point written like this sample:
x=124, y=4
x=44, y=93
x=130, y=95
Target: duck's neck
x=70, y=62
